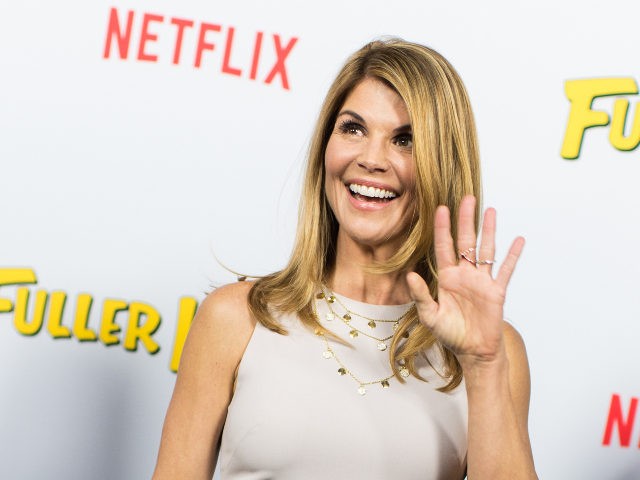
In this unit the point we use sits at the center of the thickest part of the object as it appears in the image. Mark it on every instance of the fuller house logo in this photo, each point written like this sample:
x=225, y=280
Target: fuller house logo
x=257, y=56
x=582, y=116
x=118, y=322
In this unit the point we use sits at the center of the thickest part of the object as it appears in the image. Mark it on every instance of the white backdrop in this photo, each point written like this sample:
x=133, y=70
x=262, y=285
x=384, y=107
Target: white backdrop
x=121, y=177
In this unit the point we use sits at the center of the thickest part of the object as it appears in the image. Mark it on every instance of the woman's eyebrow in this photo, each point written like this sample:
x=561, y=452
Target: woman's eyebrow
x=353, y=114
x=403, y=129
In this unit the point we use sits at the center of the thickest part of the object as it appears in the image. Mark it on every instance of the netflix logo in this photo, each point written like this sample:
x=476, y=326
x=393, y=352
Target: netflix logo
x=197, y=44
x=620, y=420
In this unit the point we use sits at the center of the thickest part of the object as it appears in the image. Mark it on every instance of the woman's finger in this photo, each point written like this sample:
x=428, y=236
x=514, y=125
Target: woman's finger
x=487, y=250
x=467, y=231
x=509, y=264
x=442, y=240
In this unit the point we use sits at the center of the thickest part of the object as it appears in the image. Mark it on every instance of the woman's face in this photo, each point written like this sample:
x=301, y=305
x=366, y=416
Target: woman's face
x=369, y=167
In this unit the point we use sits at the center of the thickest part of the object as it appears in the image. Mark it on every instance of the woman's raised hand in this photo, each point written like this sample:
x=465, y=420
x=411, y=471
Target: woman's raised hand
x=468, y=315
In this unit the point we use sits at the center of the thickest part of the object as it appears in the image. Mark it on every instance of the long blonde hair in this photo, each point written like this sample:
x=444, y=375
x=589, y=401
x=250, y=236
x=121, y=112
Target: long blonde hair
x=446, y=158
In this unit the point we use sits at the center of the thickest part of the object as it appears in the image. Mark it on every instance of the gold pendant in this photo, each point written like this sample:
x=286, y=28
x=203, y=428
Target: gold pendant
x=382, y=346
x=362, y=390
x=346, y=317
x=385, y=383
x=353, y=333
x=372, y=324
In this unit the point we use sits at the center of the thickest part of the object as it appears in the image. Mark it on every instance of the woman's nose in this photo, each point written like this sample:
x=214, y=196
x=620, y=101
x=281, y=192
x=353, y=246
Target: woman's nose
x=374, y=157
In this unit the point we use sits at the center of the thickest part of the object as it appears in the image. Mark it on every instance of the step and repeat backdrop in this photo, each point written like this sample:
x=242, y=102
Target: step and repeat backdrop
x=146, y=147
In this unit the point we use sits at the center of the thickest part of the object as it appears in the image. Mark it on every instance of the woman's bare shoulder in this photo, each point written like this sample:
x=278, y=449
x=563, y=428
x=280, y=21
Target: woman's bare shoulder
x=227, y=308
x=214, y=347
x=221, y=329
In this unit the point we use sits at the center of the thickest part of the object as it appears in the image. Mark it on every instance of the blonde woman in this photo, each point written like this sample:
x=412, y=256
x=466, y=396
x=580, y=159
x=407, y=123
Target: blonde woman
x=380, y=350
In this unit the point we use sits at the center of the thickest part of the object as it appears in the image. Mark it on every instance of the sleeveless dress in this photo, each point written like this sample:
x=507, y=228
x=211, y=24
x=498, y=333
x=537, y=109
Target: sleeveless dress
x=294, y=416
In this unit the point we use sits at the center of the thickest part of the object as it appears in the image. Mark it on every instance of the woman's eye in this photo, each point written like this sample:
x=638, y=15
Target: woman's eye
x=351, y=128
x=404, y=140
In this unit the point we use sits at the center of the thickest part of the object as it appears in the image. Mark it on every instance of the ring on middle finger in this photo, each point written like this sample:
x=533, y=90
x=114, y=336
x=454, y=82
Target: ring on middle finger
x=466, y=254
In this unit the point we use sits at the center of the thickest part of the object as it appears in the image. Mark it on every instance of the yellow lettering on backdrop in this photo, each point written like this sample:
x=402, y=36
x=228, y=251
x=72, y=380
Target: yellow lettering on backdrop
x=24, y=326
x=137, y=331
x=616, y=133
x=80, y=324
x=108, y=325
x=54, y=322
x=186, y=312
x=581, y=94
x=14, y=276
x=143, y=319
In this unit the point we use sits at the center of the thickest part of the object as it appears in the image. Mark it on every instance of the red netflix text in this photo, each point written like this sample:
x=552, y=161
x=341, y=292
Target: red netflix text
x=620, y=419
x=199, y=44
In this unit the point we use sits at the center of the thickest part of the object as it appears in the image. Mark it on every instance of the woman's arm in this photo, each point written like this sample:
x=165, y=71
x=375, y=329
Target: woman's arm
x=468, y=318
x=214, y=347
x=498, y=401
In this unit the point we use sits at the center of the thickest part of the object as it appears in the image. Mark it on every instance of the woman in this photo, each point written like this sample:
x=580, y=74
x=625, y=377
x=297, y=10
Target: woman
x=380, y=350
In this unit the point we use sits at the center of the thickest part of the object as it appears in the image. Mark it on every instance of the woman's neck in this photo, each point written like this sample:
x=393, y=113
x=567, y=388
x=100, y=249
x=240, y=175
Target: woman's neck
x=350, y=277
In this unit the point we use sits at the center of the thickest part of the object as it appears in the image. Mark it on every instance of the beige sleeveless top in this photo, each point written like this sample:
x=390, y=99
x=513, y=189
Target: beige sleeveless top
x=293, y=416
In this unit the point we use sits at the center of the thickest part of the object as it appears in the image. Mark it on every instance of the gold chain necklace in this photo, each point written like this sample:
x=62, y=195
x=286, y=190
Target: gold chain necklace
x=330, y=298
x=343, y=370
x=382, y=346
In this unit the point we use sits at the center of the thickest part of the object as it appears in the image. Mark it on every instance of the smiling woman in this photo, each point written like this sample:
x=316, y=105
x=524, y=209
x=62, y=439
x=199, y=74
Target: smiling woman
x=369, y=169
x=381, y=346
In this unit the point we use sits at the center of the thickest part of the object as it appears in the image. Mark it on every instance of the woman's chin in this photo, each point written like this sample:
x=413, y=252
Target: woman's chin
x=374, y=241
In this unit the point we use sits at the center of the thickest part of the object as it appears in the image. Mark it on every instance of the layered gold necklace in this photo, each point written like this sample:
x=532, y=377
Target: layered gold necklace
x=330, y=300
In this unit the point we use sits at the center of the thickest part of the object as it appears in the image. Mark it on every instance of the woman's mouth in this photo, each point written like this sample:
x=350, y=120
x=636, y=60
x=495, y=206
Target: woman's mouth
x=371, y=194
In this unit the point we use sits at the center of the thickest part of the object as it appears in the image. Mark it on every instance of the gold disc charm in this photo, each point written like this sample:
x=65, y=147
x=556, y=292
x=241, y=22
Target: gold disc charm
x=362, y=390
x=327, y=354
x=320, y=295
x=404, y=372
x=385, y=383
x=331, y=299
x=346, y=317
x=342, y=371
x=372, y=324
x=382, y=346
x=353, y=333
x=330, y=316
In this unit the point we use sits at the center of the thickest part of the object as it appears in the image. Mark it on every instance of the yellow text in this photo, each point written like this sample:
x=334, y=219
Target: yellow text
x=581, y=94
x=140, y=320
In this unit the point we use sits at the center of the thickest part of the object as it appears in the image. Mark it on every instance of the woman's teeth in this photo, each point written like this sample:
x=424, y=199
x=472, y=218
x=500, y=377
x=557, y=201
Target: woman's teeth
x=371, y=191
